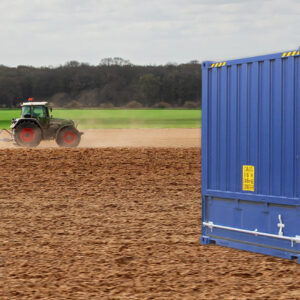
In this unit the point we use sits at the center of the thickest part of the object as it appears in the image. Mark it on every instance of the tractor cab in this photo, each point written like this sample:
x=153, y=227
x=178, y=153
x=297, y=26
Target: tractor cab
x=37, y=110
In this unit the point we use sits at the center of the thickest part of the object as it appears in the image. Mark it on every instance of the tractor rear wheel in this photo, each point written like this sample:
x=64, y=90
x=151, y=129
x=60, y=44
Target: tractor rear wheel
x=68, y=137
x=28, y=134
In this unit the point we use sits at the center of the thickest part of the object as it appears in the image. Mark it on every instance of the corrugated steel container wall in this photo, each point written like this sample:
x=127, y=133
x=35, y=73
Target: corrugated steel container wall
x=251, y=117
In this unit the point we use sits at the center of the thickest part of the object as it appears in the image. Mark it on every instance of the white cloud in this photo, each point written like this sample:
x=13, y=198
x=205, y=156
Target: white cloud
x=52, y=32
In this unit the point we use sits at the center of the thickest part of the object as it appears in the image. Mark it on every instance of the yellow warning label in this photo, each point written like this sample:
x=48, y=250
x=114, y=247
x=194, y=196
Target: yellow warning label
x=248, y=178
x=287, y=54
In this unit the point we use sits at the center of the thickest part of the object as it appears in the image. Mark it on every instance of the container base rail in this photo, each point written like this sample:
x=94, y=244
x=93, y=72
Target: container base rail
x=250, y=248
x=256, y=226
x=254, y=248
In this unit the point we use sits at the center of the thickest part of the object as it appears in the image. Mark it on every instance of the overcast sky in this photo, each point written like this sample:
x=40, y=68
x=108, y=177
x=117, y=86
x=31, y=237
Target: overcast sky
x=52, y=32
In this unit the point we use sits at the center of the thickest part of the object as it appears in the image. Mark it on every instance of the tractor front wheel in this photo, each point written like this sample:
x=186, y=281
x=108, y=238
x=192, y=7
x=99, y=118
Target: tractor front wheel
x=68, y=137
x=28, y=134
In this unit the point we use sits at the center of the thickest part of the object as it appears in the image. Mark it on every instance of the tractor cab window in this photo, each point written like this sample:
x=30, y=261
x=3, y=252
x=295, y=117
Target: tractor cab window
x=38, y=112
x=26, y=111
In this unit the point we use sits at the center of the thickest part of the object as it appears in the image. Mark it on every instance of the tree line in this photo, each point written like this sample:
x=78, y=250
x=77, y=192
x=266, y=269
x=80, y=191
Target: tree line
x=115, y=82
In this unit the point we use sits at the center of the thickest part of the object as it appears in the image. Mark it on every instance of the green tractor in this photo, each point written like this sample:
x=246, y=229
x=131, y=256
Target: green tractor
x=36, y=124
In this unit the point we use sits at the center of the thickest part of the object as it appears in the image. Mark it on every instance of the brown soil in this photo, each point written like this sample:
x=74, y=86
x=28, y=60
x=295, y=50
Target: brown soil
x=119, y=223
x=178, y=137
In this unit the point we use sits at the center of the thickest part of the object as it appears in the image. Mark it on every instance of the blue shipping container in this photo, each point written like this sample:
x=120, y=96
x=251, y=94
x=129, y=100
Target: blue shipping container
x=251, y=154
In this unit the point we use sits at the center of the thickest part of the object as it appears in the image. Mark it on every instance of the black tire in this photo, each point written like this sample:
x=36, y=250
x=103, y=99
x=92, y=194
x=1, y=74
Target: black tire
x=28, y=134
x=68, y=137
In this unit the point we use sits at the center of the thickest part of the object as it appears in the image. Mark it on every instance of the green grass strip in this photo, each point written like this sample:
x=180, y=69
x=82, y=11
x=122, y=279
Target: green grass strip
x=120, y=118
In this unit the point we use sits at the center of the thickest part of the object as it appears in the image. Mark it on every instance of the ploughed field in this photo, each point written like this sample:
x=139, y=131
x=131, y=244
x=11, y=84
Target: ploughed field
x=119, y=223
